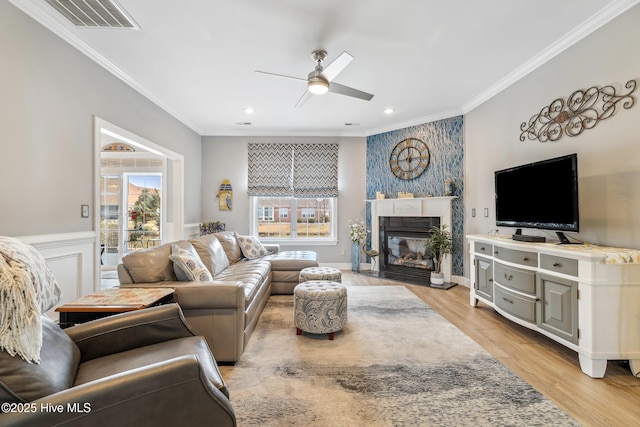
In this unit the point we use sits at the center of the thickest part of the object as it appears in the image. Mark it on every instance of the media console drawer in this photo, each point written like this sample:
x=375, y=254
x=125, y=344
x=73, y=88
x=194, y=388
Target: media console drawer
x=515, y=278
x=515, y=256
x=515, y=304
x=483, y=248
x=559, y=264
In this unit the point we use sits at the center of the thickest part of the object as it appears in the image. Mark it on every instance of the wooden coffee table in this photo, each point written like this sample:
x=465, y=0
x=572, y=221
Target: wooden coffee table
x=112, y=301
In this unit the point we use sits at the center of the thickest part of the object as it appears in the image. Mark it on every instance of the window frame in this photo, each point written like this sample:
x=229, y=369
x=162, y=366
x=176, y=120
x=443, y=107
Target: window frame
x=332, y=240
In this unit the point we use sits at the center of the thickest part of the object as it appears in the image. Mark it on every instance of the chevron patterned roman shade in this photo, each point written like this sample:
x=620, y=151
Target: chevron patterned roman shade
x=270, y=170
x=293, y=170
x=315, y=170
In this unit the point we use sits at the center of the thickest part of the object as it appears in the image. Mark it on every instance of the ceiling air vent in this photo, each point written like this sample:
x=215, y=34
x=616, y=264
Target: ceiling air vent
x=94, y=13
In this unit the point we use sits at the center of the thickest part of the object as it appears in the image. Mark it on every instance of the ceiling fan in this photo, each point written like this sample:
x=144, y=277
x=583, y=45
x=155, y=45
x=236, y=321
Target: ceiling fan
x=320, y=80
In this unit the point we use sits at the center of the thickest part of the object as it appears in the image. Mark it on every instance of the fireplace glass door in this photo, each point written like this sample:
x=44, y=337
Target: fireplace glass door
x=403, y=254
x=408, y=251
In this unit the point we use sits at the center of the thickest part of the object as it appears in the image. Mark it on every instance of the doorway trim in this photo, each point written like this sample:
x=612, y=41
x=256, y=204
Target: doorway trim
x=173, y=189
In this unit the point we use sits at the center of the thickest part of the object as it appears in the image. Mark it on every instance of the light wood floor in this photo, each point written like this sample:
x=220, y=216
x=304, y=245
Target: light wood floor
x=549, y=367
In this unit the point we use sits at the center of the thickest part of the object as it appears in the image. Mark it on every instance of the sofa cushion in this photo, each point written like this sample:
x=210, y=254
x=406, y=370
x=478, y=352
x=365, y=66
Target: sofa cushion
x=251, y=247
x=112, y=364
x=24, y=382
x=188, y=266
x=230, y=245
x=250, y=273
x=150, y=265
x=211, y=253
x=292, y=260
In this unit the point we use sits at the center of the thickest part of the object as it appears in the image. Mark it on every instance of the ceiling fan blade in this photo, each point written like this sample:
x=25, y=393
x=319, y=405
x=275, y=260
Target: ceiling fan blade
x=280, y=75
x=348, y=91
x=332, y=70
x=304, y=98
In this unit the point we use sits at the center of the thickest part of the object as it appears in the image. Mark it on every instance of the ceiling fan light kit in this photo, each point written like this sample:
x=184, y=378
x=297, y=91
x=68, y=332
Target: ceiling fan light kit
x=320, y=80
x=317, y=85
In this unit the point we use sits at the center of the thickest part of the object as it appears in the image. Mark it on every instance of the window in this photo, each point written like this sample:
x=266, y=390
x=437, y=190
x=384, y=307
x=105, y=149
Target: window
x=293, y=189
x=265, y=213
x=310, y=219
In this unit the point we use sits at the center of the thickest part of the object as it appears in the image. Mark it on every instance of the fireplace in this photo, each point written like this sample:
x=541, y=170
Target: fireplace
x=432, y=210
x=403, y=255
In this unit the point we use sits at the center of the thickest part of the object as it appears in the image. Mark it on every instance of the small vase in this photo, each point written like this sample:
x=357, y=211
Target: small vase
x=355, y=257
x=448, y=188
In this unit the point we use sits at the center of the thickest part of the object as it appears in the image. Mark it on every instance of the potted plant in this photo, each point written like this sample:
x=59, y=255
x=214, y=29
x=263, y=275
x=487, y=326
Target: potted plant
x=211, y=227
x=439, y=244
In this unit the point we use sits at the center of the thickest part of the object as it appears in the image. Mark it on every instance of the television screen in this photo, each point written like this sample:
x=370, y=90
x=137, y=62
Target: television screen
x=540, y=195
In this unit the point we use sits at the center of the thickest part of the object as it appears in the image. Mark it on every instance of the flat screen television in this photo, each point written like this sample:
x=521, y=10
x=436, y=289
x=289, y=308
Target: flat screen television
x=542, y=195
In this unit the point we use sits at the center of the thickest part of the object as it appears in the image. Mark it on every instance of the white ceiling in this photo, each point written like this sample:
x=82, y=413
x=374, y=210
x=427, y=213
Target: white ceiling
x=427, y=59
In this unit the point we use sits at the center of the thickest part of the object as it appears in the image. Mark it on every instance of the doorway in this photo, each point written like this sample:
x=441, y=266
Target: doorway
x=130, y=212
x=139, y=199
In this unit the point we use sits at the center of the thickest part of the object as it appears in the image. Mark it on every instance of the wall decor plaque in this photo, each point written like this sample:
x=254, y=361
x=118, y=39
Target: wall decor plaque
x=583, y=109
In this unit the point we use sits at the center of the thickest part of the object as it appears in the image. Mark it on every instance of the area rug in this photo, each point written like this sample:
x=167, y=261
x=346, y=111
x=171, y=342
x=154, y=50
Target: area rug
x=396, y=363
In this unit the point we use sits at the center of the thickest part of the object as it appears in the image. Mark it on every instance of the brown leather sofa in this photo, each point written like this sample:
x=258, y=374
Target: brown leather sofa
x=225, y=310
x=145, y=367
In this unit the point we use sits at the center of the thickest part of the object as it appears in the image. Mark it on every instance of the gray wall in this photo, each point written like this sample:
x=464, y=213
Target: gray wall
x=225, y=157
x=50, y=93
x=608, y=155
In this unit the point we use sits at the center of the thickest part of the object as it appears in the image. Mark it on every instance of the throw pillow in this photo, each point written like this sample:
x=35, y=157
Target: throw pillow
x=188, y=266
x=211, y=253
x=150, y=265
x=230, y=245
x=251, y=247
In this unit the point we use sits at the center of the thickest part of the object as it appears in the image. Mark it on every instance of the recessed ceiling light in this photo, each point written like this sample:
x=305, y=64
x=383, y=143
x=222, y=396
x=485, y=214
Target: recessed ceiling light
x=389, y=110
x=249, y=110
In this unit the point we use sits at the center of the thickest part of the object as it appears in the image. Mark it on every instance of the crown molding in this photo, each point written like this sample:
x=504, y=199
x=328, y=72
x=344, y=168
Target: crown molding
x=416, y=122
x=285, y=132
x=599, y=19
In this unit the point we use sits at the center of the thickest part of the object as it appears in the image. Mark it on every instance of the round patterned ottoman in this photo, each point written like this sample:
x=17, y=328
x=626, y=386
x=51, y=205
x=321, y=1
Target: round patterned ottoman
x=320, y=273
x=320, y=307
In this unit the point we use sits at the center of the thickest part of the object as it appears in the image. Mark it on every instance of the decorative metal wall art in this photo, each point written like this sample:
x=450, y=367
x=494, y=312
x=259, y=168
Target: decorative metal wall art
x=584, y=109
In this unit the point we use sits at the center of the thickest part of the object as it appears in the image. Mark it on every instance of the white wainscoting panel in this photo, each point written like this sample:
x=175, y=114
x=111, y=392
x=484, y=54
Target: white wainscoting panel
x=191, y=231
x=72, y=259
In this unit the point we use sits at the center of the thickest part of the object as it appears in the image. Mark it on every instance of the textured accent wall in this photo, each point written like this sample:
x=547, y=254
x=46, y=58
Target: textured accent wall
x=445, y=139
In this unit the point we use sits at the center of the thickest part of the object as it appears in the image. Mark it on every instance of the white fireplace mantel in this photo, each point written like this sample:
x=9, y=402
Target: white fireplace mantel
x=418, y=207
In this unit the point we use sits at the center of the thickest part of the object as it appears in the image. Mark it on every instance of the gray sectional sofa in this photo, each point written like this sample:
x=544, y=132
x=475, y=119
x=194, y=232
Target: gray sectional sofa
x=222, y=282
